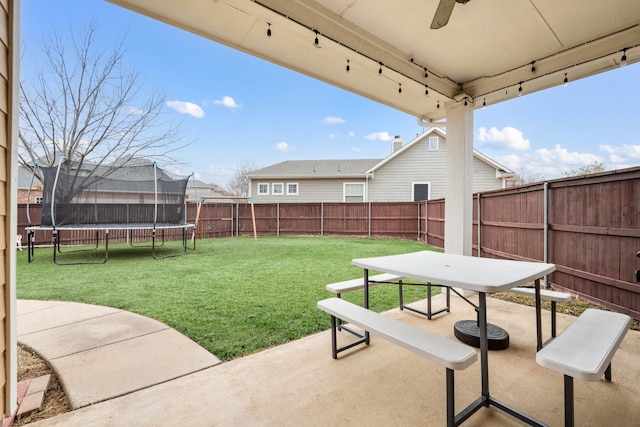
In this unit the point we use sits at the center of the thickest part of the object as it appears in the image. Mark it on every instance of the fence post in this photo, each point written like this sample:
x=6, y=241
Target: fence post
x=322, y=219
x=369, y=222
x=426, y=222
x=278, y=219
x=418, y=206
x=479, y=233
x=545, y=194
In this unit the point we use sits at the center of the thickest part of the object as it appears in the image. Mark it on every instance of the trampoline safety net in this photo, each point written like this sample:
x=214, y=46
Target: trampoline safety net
x=140, y=194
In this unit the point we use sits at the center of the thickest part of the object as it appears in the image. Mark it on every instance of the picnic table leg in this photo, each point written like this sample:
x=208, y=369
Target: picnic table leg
x=538, y=315
x=366, y=300
x=484, y=344
x=451, y=400
x=568, y=401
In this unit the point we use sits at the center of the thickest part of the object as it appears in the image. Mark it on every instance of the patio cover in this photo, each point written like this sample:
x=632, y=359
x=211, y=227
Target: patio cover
x=484, y=53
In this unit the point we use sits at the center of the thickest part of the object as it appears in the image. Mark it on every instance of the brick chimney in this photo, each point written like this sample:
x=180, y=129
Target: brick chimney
x=396, y=143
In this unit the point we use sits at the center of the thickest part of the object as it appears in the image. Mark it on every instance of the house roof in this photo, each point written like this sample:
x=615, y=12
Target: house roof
x=503, y=171
x=316, y=168
x=356, y=167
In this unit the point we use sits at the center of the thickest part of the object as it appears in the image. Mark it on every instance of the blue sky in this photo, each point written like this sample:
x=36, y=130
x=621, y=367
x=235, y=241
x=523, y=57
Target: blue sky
x=235, y=109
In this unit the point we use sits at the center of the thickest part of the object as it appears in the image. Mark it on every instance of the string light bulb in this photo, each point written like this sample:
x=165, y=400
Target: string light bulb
x=426, y=90
x=438, y=106
x=533, y=66
x=425, y=73
x=269, y=29
x=465, y=101
x=399, y=87
x=316, y=42
x=520, y=90
x=484, y=104
x=380, y=69
x=623, y=60
x=348, y=66
x=566, y=80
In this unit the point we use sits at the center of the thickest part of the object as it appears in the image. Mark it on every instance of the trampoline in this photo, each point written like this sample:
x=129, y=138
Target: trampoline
x=142, y=200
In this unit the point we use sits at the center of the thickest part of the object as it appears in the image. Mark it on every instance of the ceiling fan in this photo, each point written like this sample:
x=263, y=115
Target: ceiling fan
x=443, y=12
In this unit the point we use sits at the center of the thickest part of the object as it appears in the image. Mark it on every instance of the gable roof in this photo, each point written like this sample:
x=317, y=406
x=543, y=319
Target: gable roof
x=316, y=168
x=501, y=171
x=346, y=168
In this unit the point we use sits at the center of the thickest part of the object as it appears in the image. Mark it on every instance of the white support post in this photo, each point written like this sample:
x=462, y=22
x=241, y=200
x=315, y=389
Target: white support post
x=458, y=231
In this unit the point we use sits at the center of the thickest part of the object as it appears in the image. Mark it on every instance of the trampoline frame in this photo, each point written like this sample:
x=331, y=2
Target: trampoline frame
x=57, y=231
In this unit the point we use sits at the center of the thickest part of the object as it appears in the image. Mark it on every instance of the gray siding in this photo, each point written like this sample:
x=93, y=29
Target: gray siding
x=484, y=177
x=393, y=182
x=309, y=190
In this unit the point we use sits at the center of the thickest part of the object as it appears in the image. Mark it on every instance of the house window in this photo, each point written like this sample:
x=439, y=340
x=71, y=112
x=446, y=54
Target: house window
x=433, y=143
x=420, y=191
x=354, y=192
x=292, y=188
x=39, y=200
x=277, y=189
x=263, y=188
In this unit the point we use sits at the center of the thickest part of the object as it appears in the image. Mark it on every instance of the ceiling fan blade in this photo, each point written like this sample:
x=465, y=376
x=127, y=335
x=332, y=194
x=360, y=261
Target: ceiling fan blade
x=443, y=13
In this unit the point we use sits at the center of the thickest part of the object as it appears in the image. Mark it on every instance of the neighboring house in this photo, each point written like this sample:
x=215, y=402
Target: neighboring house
x=133, y=183
x=29, y=188
x=412, y=172
x=197, y=189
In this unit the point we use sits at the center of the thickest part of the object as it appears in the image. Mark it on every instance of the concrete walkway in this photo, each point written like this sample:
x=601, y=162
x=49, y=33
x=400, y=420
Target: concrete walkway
x=299, y=384
x=99, y=353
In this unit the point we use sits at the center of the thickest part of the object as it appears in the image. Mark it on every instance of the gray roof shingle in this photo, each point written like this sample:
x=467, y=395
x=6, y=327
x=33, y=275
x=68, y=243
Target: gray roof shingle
x=310, y=168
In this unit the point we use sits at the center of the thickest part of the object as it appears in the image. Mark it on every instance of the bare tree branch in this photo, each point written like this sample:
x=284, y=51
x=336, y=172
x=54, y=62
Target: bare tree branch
x=239, y=184
x=86, y=106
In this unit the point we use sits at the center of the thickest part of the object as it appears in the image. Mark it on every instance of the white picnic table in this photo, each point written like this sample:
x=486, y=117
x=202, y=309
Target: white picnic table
x=482, y=275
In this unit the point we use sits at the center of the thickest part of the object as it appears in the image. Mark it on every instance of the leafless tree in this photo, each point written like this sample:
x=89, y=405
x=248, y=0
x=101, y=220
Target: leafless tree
x=524, y=178
x=239, y=184
x=593, y=167
x=86, y=106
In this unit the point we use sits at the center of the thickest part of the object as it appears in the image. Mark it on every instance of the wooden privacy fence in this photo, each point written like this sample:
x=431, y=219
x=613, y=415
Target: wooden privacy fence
x=393, y=219
x=588, y=226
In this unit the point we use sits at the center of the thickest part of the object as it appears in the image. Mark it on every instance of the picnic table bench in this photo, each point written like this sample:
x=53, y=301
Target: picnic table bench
x=444, y=351
x=545, y=294
x=584, y=350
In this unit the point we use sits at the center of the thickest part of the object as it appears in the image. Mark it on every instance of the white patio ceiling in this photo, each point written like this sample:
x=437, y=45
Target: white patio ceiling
x=488, y=50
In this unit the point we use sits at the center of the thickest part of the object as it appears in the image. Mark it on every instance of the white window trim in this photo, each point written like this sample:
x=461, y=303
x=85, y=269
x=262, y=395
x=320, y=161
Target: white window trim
x=263, y=193
x=413, y=187
x=297, y=188
x=344, y=190
x=273, y=189
x=437, y=141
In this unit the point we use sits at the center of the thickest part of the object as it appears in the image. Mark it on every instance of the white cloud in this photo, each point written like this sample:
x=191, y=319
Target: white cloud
x=333, y=135
x=351, y=134
x=189, y=108
x=622, y=155
x=333, y=120
x=379, y=136
x=284, y=147
x=228, y=102
x=508, y=137
x=549, y=163
x=356, y=149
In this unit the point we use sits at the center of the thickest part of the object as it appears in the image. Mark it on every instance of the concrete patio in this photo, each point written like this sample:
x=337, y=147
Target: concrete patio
x=300, y=384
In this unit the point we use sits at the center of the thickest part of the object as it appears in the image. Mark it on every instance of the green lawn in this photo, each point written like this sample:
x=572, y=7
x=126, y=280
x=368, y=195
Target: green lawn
x=233, y=296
